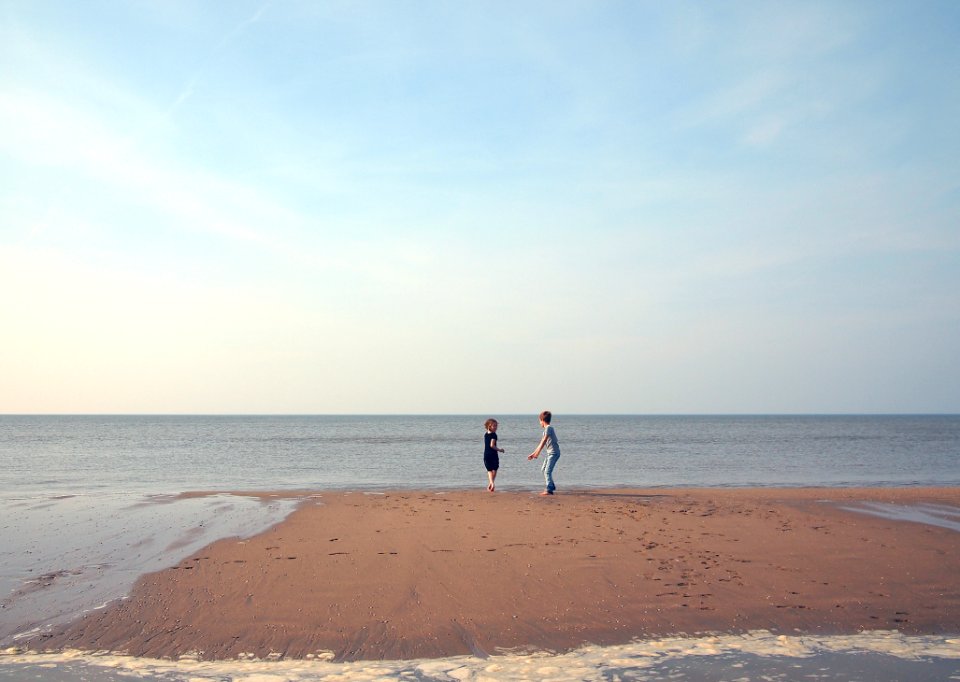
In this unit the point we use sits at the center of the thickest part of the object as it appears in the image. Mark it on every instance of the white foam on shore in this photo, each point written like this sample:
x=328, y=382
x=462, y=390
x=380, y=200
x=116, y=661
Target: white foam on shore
x=587, y=663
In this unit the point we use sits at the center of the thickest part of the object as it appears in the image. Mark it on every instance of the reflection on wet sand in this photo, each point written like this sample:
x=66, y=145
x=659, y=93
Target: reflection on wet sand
x=66, y=555
x=940, y=515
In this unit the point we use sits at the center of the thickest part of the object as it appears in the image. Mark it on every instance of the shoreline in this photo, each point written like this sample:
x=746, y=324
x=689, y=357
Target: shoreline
x=408, y=574
x=878, y=656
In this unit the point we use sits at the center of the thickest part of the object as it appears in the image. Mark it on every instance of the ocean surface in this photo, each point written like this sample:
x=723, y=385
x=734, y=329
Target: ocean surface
x=171, y=454
x=89, y=503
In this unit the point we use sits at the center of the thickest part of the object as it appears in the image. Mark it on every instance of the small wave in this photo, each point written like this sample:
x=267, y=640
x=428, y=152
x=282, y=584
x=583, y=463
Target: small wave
x=752, y=656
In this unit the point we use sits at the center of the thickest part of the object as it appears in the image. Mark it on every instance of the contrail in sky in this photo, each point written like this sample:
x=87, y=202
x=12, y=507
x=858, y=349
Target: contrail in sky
x=187, y=92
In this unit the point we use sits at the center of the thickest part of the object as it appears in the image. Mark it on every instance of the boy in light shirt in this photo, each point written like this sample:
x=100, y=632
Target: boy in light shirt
x=551, y=446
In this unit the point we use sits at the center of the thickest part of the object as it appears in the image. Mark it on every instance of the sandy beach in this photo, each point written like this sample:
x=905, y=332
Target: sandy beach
x=411, y=574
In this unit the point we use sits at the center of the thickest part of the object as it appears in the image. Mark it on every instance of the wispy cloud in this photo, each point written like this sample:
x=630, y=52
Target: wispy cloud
x=238, y=30
x=185, y=94
x=231, y=36
x=53, y=133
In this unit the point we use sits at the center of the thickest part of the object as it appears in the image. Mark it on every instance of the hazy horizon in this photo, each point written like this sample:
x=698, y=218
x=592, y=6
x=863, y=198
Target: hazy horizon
x=532, y=415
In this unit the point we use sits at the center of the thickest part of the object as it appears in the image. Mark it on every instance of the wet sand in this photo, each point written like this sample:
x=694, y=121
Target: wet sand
x=64, y=555
x=404, y=575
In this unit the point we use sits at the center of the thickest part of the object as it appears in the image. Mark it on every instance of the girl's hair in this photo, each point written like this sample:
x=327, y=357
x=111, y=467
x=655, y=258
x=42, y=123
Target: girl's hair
x=490, y=422
x=546, y=416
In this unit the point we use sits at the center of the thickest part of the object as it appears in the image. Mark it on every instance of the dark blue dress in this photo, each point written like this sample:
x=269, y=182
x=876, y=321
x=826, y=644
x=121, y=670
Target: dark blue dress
x=491, y=458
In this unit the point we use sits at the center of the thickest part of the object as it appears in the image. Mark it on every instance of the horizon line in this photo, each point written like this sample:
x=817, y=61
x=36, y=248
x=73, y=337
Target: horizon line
x=476, y=414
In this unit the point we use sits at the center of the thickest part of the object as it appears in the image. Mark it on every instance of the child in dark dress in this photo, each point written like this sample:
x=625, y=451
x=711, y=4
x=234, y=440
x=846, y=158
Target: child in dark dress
x=491, y=453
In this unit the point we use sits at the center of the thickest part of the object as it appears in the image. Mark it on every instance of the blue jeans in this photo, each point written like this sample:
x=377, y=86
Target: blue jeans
x=548, y=464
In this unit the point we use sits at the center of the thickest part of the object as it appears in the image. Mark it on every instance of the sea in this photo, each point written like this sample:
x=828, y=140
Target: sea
x=89, y=503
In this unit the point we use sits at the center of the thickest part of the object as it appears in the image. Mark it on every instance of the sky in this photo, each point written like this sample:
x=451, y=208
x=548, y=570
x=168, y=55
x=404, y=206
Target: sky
x=488, y=208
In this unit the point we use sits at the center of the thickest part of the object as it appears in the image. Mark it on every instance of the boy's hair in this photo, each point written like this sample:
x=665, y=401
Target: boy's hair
x=546, y=416
x=490, y=422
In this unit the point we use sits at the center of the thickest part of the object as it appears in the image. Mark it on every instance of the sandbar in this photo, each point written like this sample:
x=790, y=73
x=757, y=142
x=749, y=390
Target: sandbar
x=421, y=574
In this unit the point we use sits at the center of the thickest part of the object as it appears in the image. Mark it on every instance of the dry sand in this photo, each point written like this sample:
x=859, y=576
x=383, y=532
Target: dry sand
x=423, y=574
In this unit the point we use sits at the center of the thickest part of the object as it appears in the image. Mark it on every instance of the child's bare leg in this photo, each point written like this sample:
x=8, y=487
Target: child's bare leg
x=490, y=476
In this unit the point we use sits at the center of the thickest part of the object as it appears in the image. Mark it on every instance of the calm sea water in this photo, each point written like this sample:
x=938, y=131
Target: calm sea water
x=169, y=454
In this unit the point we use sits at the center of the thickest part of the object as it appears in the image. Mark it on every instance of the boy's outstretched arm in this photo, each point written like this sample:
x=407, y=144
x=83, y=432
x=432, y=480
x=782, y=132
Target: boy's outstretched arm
x=536, y=453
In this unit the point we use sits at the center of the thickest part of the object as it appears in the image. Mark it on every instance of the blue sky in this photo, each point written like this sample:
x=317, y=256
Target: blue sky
x=457, y=207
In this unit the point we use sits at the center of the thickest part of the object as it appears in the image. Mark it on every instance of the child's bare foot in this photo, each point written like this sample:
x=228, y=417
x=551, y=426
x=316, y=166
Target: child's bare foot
x=546, y=492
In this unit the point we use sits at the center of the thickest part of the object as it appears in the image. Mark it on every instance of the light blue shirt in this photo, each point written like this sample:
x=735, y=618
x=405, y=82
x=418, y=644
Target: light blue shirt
x=552, y=446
